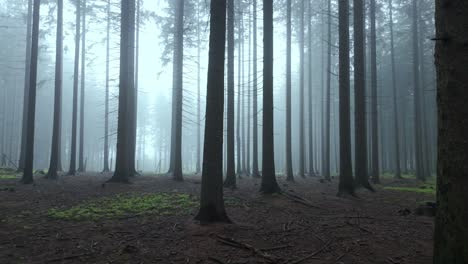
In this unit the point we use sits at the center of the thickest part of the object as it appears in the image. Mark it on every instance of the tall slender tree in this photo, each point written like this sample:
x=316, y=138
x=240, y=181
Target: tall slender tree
x=374, y=97
x=301, y=92
x=395, y=95
x=81, y=161
x=55, y=151
x=72, y=169
x=106, y=114
x=29, y=151
x=230, y=166
x=255, y=171
x=289, y=170
x=360, y=96
x=211, y=200
x=27, y=70
x=269, y=184
x=346, y=185
x=310, y=88
x=123, y=170
x=326, y=151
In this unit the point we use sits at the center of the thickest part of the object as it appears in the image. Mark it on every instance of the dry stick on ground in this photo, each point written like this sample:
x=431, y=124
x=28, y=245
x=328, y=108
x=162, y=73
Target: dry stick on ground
x=300, y=200
x=233, y=243
x=311, y=255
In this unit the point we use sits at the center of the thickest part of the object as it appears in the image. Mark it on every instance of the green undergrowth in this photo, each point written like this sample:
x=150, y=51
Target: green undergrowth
x=126, y=205
x=7, y=174
x=428, y=187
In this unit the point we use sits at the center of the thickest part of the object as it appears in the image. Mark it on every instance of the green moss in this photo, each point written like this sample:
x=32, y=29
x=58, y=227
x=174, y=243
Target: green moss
x=122, y=205
x=421, y=189
x=7, y=176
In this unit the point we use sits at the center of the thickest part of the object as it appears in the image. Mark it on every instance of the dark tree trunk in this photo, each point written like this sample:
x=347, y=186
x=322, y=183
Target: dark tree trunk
x=395, y=97
x=269, y=184
x=374, y=99
x=55, y=152
x=311, y=125
x=211, y=200
x=362, y=177
x=451, y=231
x=249, y=93
x=81, y=162
x=27, y=74
x=126, y=87
x=289, y=169
x=134, y=103
x=198, y=168
x=346, y=185
x=230, y=166
x=301, y=93
x=326, y=151
x=255, y=172
x=29, y=151
x=418, y=148
x=176, y=146
x=242, y=95
x=239, y=95
x=106, y=117
x=72, y=169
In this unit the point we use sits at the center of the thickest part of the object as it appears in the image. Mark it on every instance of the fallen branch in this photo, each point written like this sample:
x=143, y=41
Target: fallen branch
x=311, y=255
x=216, y=260
x=275, y=248
x=300, y=200
x=237, y=244
x=68, y=257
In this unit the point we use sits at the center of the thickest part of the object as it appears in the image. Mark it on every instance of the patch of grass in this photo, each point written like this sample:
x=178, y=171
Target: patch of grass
x=421, y=189
x=7, y=176
x=123, y=205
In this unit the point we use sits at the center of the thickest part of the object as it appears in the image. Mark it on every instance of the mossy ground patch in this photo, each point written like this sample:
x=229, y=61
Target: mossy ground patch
x=123, y=205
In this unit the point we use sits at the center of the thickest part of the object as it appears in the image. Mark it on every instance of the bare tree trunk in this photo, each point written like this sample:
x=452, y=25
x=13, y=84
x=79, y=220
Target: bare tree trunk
x=81, y=165
x=239, y=96
x=255, y=172
x=395, y=96
x=301, y=93
x=346, y=185
x=55, y=151
x=106, y=117
x=362, y=177
x=249, y=95
x=72, y=169
x=198, y=168
x=326, y=152
x=451, y=231
x=289, y=170
x=126, y=87
x=269, y=184
x=230, y=166
x=29, y=151
x=211, y=199
x=27, y=73
x=311, y=125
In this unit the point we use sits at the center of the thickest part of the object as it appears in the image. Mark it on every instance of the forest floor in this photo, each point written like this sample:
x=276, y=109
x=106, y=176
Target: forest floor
x=78, y=219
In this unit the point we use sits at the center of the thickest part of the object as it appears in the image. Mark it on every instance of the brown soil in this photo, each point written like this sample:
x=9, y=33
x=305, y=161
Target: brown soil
x=310, y=225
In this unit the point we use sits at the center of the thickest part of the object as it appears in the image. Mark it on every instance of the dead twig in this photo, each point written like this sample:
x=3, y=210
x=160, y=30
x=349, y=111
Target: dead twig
x=275, y=248
x=311, y=255
x=237, y=244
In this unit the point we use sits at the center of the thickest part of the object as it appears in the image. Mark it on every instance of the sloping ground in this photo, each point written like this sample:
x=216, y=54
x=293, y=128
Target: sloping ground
x=308, y=225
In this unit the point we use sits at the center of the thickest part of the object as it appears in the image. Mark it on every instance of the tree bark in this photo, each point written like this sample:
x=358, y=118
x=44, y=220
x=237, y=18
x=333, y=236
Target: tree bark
x=310, y=121
x=211, y=199
x=374, y=98
x=230, y=166
x=55, y=151
x=346, y=185
x=289, y=170
x=326, y=152
x=29, y=151
x=255, y=172
x=81, y=162
x=106, y=117
x=269, y=184
x=451, y=231
x=301, y=93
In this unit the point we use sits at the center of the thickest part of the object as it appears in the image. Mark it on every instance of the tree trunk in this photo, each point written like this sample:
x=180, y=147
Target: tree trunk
x=81, y=164
x=211, y=199
x=176, y=148
x=395, y=97
x=289, y=170
x=269, y=184
x=29, y=151
x=451, y=231
x=255, y=172
x=420, y=173
x=374, y=99
x=55, y=151
x=126, y=87
x=301, y=93
x=311, y=125
x=346, y=185
x=249, y=94
x=198, y=168
x=362, y=177
x=106, y=117
x=27, y=74
x=230, y=166
x=326, y=152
